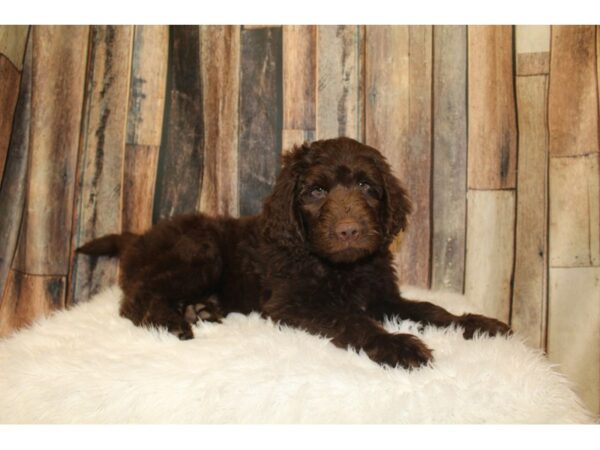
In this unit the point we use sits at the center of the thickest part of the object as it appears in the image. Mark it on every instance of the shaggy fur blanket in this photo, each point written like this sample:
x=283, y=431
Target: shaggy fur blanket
x=88, y=365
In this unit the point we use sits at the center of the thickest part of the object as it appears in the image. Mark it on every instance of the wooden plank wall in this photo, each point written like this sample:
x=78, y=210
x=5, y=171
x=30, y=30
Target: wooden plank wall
x=492, y=129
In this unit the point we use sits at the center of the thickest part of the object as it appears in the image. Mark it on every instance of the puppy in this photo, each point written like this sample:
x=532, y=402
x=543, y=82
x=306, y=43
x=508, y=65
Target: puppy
x=316, y=258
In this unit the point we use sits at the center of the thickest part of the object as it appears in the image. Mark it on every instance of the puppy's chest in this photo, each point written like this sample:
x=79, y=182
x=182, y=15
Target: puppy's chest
x=348, y=289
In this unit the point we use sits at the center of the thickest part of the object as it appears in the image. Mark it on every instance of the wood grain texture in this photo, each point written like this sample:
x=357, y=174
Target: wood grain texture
x=139, y=178
x=574, y=329
x=12, y=188
x=27, y=297
x=144, y=124
x=492, y=117
x=387, y=90
x=573, y=101
x=13, y=40
x=339, y=110
x=574, y=211
x=533, y=49
x=299, y=73
x=260, y=115
x=398, y=123
x=181, y=160
x=58, y=73
x=489, y=259
x=529, y=302
x=220, y=63
x=291, y=138
x=299, y=76
x=103, y=147
x=147, y=85
x=449, y=171
x=9, y=91
x=415, y=255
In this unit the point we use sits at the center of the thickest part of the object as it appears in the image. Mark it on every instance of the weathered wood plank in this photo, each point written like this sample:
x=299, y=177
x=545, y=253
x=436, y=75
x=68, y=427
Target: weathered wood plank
x=533, y=49
x=398, y=122
x=574, y=329
x=574, y=221
x=12, y=189
x=289, y=138
x=138, y=186
x=529, y=303
x=9, y=91
x=28, y=297
x=260, y=115
x=573, y=101
x=339, y=79
x=489, y=259
x=13, y=40
x=449, y=158
x=387, y=90
x=181, y=160
x=148, y=84
x=103, y=145
x=144, y=124
x=299, y=76
x=415, y=256
x=220, y=61
x=299, y=84
x=492, y=117
x=59, y=58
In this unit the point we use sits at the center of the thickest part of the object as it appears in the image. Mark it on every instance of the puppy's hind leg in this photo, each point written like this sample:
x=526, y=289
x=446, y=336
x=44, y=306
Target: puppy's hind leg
x=185, y=273
x=148, y=309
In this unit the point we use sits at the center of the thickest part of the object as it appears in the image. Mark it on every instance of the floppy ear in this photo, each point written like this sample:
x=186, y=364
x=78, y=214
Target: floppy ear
x=281, y=223
x=396, y=201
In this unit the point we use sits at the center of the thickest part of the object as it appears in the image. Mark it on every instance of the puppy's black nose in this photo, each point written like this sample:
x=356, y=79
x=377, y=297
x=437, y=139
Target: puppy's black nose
x=347, y=230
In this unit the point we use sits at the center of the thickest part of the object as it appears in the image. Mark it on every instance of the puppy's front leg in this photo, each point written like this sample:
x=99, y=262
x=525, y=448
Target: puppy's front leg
x=430, y=314
x=353, y=329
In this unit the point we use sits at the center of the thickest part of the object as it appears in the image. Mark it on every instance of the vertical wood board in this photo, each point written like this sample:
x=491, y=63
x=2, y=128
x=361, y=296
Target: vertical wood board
x=449, y=171
x=574, y=211
x=147, y=84
x=58, y=73
x=9, y=91
x=13, y=40
x=492, y=118
x=531, y=253
x=27, y=297
x=12, y=188
x=490, y=251
x=533, y=49
x=299, y=76
x=181, y=160
x=573, y=101
x=103, y=152
x=339, y=80
x=574, y=329
x=260, y=138
x=220, y=63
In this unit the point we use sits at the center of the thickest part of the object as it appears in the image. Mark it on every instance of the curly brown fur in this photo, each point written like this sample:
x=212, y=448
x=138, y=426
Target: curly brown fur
x=316, y=258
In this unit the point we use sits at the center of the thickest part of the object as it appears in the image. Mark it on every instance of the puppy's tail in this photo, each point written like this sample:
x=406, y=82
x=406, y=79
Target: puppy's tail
x=109, y=245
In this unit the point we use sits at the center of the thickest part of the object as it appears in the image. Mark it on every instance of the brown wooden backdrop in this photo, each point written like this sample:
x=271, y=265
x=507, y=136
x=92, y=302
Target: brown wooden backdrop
x=494, y=130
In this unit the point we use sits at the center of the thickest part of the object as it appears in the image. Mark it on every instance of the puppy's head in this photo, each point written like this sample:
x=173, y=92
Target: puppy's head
x=337, y=198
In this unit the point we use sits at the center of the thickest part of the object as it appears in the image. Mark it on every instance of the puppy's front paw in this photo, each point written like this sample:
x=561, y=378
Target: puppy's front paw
x=405, y=350
x=473, y=323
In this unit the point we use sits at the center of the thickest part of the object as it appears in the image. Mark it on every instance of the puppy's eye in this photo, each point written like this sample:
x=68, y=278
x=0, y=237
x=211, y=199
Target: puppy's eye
x=364, y=186
x=318, y=192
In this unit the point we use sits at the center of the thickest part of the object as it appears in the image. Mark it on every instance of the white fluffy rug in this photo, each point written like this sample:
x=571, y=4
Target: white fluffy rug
x=88, y=365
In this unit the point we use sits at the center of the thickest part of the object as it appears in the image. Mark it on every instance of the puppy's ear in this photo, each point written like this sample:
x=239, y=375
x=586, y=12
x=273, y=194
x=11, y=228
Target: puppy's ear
x=397, y=204
x=281, y=222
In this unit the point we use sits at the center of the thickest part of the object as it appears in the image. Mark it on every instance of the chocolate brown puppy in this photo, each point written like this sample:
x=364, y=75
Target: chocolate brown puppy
x=317, y=257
